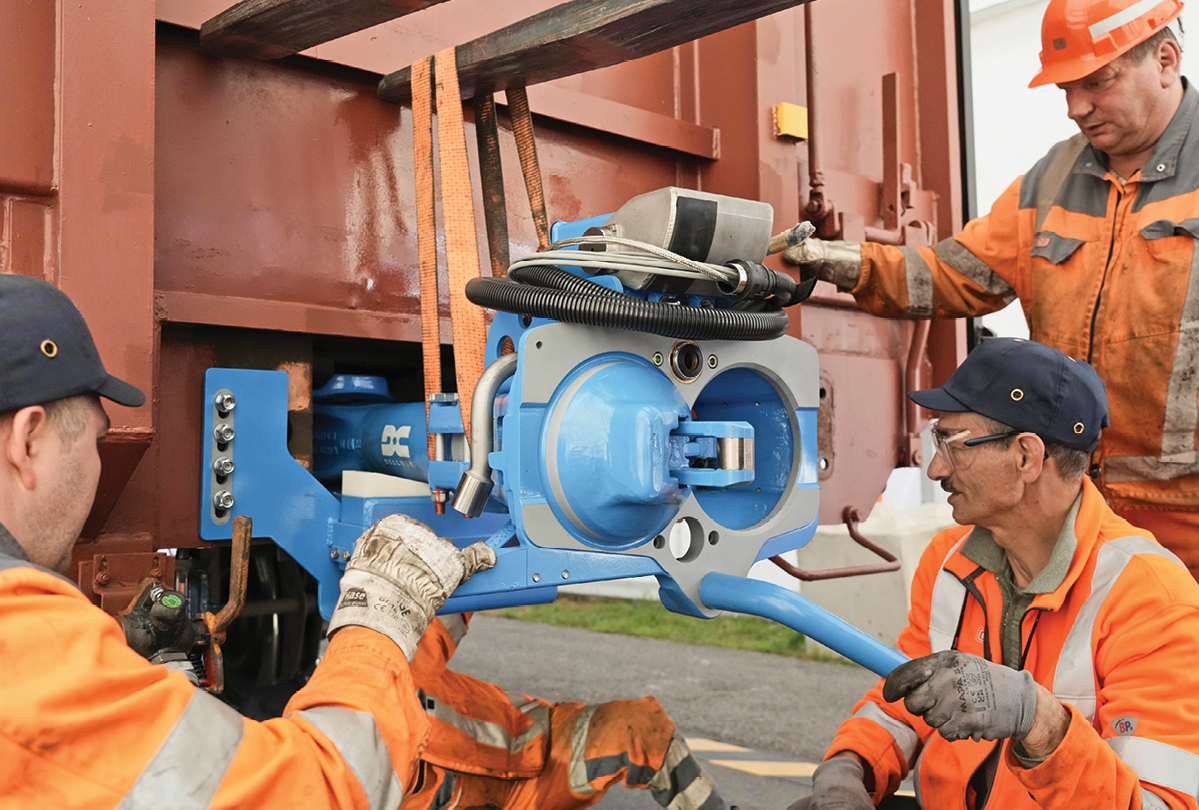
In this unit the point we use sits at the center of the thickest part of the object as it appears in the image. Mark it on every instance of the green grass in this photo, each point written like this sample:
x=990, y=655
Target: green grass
x=647, y=618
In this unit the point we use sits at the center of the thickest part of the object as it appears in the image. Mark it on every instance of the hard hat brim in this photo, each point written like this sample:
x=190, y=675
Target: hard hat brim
x=1069, y=71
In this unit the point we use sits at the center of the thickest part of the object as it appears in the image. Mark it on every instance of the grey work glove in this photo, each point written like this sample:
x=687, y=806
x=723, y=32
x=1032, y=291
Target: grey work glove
x=400, y=575
x=838, y=262
x=838, y=784
x=965, y=696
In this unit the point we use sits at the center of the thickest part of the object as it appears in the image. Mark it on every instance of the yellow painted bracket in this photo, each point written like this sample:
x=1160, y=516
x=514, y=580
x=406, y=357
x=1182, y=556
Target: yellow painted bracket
x=790, y=121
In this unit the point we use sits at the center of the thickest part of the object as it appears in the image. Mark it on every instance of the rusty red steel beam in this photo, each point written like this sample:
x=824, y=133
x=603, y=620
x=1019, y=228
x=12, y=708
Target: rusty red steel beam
x=582, y=35
x=272, y=29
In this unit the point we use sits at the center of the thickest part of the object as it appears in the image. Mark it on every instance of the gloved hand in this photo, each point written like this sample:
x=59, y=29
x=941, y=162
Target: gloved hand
x=838, y=784
x=965, y=696
x=838, y=262
x=399, y=576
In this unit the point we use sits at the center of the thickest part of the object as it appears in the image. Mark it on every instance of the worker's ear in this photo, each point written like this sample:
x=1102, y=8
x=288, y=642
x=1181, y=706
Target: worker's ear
x=1031, y=456
x=1169, y=59
x=26, y=442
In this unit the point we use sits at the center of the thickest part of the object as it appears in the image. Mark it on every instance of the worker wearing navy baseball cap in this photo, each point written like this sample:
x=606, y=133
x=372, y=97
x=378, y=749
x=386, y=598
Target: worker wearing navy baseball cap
x=87, y=722
x=1053, y=643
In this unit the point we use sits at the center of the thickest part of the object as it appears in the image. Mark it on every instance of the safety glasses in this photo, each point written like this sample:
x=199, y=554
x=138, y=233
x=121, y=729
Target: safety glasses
x=944, y=442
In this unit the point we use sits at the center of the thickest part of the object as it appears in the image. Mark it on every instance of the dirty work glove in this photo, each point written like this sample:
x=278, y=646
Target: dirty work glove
x=838, y=262
x=399, y=576
x=838, y=784
x=965, y=696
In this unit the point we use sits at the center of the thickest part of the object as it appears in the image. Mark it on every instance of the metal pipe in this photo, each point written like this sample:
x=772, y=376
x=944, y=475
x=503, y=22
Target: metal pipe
x=912, y=451
x=474, y=488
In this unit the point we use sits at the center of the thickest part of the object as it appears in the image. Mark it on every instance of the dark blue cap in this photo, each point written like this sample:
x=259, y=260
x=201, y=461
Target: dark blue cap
x=1028, y=386
x=48, y=352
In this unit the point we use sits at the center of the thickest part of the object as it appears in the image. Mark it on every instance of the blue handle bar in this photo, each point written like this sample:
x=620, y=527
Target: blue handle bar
x=726, y=592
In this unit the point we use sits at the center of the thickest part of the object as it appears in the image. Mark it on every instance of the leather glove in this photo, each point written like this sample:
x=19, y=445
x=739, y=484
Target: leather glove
x=400, y=574
x=838, y=784
x=965, y=696
x=838, y=262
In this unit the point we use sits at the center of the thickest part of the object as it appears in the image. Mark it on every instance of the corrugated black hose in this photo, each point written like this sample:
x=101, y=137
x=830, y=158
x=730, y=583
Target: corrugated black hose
x=545, y=291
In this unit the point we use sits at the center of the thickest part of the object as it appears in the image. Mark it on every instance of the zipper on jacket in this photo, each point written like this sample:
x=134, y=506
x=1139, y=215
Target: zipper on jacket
x=1111, y=249
x=973, y=590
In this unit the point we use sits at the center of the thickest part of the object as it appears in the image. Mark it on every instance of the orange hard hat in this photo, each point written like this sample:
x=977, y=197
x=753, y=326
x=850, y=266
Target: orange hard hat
x=1080, y=36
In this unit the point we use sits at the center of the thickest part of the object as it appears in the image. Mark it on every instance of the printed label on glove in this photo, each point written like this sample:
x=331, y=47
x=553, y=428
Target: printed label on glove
x=355, y=597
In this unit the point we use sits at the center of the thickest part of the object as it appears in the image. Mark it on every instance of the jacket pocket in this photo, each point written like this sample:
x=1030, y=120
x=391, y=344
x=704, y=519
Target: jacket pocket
x=1053, y=247
x=1164, y=228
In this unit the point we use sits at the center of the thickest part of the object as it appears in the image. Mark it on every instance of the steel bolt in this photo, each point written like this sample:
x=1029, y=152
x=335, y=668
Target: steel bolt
x=345, y=555
x=223, y=432
x=712, y=361
x=566, y=575
x=658, y=358
x=222, y=499
x=222, y=466
x=333, y=555
x=224, y=402
x=537, y=577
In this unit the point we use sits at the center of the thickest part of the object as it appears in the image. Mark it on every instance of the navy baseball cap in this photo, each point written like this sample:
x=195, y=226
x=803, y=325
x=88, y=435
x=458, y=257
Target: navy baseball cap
x=1030, y=387
x=48, y=351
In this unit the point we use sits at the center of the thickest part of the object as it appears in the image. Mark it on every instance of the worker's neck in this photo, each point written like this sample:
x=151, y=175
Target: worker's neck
x=1029, y=532
x=1126, y=165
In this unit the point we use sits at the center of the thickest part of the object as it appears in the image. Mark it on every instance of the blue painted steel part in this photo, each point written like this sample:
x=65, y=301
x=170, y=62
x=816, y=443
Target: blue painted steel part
x=288, y=505
x=386, y=439
x=774, y=602
x=602, y=456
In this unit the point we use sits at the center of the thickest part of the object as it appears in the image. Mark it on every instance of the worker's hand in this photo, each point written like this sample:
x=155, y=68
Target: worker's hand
x=965, y=696
x=838, y=262
x=399, y=576
x=838, y=784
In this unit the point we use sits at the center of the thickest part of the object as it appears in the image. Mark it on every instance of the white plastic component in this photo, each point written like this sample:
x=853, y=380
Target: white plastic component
x=359, y=484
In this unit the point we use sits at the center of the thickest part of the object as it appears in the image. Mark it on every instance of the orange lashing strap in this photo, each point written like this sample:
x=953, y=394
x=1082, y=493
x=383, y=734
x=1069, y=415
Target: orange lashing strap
x=526, y=148
x=461, y=247
x=426, y=229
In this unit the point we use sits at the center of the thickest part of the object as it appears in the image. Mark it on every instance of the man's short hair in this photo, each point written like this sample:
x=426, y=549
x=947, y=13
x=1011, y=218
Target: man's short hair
x=1142, y=50
x=1071, y=464
x=68, y=415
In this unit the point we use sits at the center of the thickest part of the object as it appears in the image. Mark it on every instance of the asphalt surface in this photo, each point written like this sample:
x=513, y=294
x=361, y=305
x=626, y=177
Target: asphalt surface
x=783, y=709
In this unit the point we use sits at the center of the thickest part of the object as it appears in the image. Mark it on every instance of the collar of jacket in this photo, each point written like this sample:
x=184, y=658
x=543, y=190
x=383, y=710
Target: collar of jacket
x=1165, y=153
x=9, y=547
x=1086, y=534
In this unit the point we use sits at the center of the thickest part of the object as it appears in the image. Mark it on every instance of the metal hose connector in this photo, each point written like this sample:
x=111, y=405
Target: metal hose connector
x=474, y=488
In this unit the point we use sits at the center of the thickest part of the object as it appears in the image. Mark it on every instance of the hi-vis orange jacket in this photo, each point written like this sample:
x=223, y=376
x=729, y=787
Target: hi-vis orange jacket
x=489, y=748
x=1106, y=272
x=85, y=722
x=1117, y=642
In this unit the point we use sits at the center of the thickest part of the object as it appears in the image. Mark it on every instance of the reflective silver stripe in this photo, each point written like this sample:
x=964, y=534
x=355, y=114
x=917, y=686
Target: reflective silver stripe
x=903, y=734
x=1151, y=801
x=1182, y=405
x=1123, y=17
x=578, y=751
x=363, y=748
x=1055, y=176
x=1120, y=469
x=455, y=625
x=193, y=760
x=490, y=733
x=949, y=597
x=1159, y=763
x=974, y=269
x=920, y=283
x=1074, y=678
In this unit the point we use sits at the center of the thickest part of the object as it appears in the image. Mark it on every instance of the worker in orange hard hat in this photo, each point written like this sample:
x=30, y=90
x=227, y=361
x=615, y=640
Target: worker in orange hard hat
x=1098, y=242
